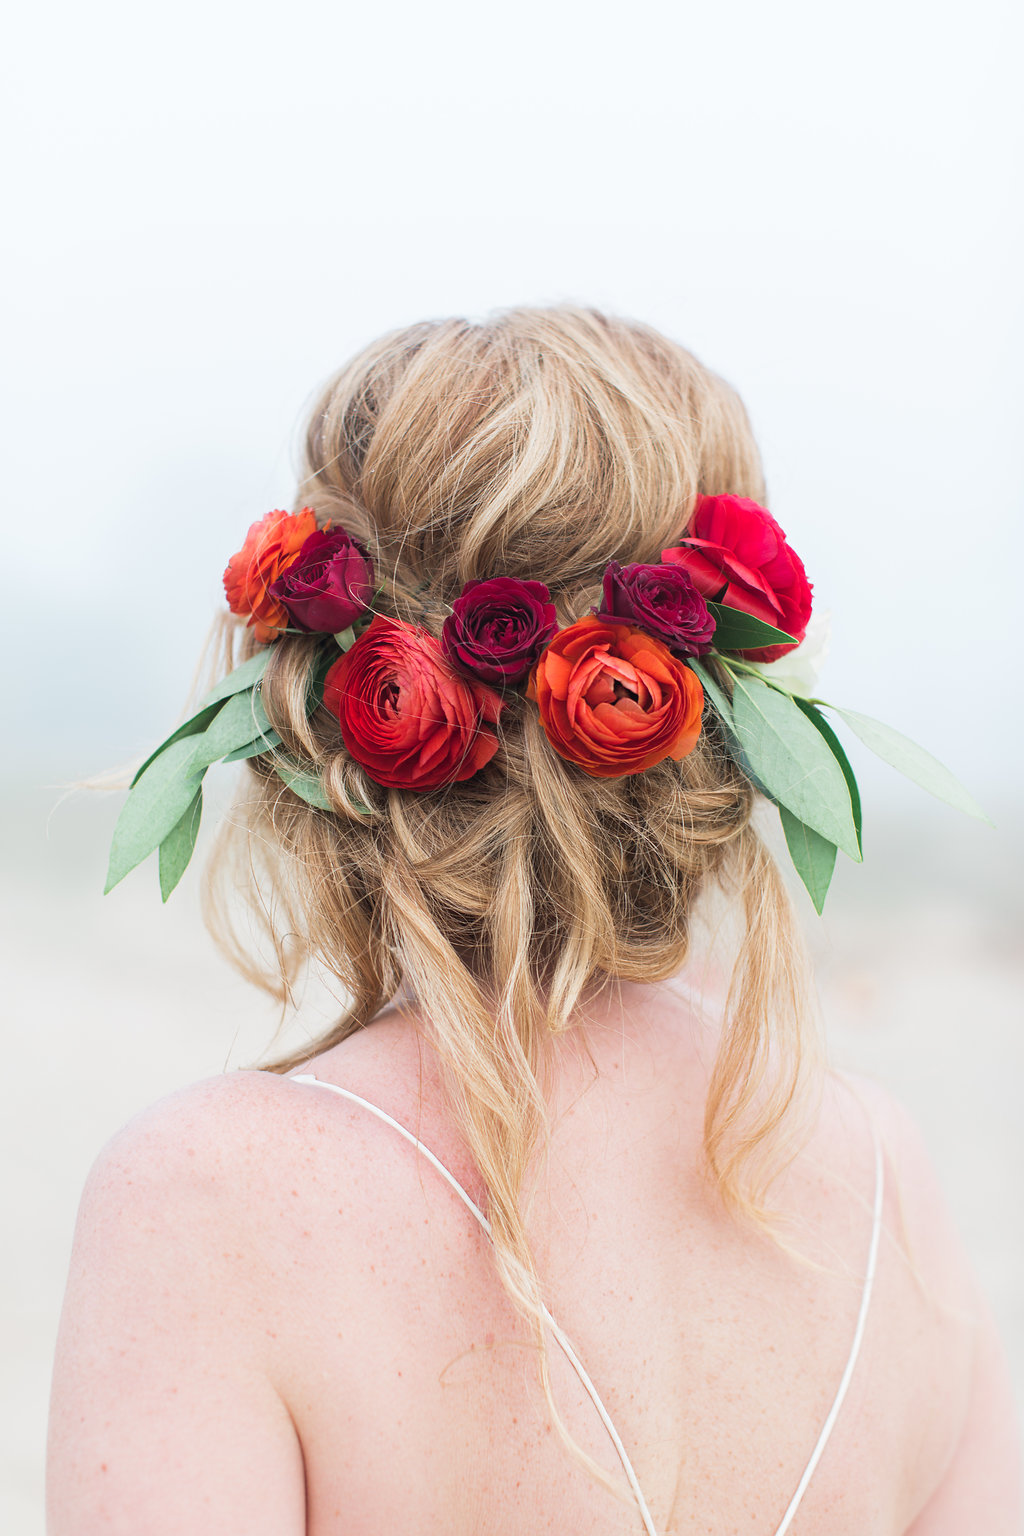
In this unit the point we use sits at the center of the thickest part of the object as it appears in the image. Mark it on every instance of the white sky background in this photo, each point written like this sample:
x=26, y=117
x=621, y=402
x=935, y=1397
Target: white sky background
x=212, y=205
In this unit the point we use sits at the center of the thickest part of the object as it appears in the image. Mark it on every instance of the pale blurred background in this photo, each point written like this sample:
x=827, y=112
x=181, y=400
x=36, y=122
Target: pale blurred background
x=209, y=207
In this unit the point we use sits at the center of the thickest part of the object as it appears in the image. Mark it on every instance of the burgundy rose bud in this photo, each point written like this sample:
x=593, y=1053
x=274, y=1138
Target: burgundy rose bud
x=498, y=627
x=661, y=599
x=330, y=584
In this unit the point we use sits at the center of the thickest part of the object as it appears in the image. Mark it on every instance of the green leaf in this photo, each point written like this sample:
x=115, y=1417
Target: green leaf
x=153, y=808
x=793, y=762
x=723, y=709
x=345, y=638
x=819, y=722
x=179, y=844
x=241, y=720
x=265, y=743
x=814, y=857
x=308, y=786
x=192, y=727
x=716, y=694
x=734, y=743
x=247, y=675
x=317, y=677
x=908, y=758
x=736, y=631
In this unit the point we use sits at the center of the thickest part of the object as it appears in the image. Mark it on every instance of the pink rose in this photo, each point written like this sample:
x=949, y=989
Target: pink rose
x=737, y=555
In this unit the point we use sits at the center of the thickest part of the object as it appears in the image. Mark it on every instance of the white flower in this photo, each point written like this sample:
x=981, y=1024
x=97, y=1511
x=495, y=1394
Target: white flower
x=798, y=670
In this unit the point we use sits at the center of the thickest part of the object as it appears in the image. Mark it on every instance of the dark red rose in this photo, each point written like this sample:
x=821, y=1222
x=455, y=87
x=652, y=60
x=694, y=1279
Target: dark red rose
x=405, y=713
x=498, y=627
x=662, y=600
x=329, y=585
x=737, y=554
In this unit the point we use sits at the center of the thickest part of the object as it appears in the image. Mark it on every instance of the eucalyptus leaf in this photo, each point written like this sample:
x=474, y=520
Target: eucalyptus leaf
x=723, y=709
x=819, y=722
x=345, y=637
x=793, y=762
x=247, y=675
x=713, y=691
x=241, y=720
x=265, y=743
x=178, y=846
x=308, y=786
x=317, y=677
x=814, y=857
x=908, y=758
x=153, y=808
x=192, y=727
x=737, y=631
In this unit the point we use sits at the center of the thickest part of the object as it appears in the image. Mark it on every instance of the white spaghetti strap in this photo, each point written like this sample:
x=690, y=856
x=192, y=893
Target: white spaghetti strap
x=570, y=1354
x=556, y=1332
x=858, y=1335
x=397, y=1126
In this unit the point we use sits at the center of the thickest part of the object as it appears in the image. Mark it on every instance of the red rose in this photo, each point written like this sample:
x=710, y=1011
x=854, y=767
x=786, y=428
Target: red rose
x=737, y=554
x=405, y=714
x=661, y=599
x=270, y=547
x=330, y=583
x=614, y=700
x=498, y=628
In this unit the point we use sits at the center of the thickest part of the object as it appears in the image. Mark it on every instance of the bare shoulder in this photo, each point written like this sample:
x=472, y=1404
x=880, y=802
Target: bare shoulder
x=196, y=1278
x=934, y=1318
x=179, y=1205
x=251, y=1153
x=917, y=1217
x=160, y=1342
x=214, y=1113
x=202, y=1148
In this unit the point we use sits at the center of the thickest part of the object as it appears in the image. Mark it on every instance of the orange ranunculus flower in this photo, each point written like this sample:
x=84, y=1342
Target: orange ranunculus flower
x=270, y=547
x=614, y=700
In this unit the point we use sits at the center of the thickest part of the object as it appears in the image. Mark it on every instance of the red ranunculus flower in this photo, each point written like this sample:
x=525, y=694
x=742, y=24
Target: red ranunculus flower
x=498, y=627
x=329, y=585
x=737, y=554
x=661, y=599
x=406, y=715
x=270, y=547
x=614, y=700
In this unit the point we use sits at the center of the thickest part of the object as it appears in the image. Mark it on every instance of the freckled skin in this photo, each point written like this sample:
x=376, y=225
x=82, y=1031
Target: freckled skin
x=281, y=1321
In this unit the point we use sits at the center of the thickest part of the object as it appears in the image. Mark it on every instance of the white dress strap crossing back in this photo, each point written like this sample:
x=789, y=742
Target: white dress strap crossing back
x=567, y=1349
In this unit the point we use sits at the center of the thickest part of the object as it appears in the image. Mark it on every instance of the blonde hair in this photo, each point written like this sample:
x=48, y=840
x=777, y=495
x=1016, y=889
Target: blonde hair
x=540, y=444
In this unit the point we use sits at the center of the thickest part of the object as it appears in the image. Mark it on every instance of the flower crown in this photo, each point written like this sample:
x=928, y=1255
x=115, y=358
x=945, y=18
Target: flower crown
x=618, y=691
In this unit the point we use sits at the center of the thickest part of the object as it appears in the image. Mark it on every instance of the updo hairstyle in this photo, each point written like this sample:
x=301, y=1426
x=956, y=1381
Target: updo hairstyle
x=539, y=444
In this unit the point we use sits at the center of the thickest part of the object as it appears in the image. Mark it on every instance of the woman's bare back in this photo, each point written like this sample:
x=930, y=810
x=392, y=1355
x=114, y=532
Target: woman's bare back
x=282, y=1319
